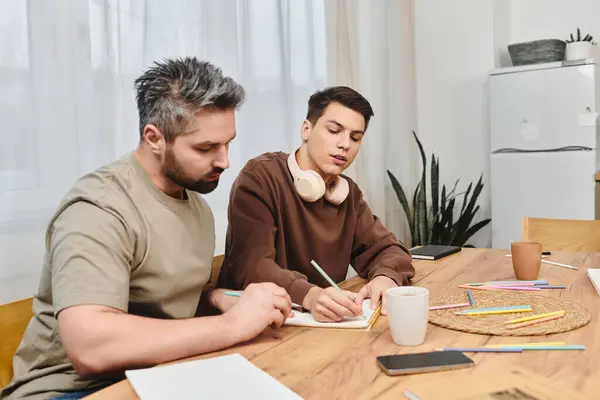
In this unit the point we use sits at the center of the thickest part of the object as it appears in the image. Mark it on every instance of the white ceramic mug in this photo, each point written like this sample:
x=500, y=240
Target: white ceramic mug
x=408, y=314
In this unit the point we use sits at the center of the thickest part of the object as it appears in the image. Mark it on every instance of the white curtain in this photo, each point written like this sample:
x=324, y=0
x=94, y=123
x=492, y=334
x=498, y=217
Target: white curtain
x=67, y=104
x=370, y=48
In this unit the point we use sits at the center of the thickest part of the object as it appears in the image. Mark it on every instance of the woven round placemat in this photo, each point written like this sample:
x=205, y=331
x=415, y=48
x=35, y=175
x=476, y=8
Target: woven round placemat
x=576, y=315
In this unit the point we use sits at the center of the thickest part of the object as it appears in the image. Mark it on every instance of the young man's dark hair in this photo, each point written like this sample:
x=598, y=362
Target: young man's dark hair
x=344, y=95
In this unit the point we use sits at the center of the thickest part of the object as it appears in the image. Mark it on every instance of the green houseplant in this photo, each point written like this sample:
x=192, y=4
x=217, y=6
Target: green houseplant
x=435, y=223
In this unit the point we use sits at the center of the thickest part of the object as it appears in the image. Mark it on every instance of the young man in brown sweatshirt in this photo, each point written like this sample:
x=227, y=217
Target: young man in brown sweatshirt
x=288, y=209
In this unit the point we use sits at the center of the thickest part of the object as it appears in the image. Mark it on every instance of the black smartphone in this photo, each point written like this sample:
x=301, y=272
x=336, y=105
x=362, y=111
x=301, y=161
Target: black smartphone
x=403, y=364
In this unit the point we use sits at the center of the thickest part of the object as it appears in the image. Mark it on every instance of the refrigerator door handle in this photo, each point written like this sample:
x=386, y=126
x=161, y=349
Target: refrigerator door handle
x=559, y=149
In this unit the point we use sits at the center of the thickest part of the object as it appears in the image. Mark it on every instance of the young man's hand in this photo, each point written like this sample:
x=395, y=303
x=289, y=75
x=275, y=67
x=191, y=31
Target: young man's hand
x=261, y=305
x=376, y=291
x=329, y=305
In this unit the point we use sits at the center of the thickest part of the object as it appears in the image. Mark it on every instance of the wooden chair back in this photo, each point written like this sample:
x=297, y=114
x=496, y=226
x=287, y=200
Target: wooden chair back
x=14, y=318
x=216, y=268
x=562, y=234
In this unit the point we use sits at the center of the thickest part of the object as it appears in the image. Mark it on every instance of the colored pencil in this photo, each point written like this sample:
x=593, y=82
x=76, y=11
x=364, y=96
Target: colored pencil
x=507, y=282
x=477, y=287
x=534, y=317
x=471, y=299
x=328, y=279
x=518, y=310
x=443, y=307
x=535, y=321
x=375, y=315
x=553, y=263
x=524, y=288
x=410, y=395
x=486, y=287
x=482, y=349
x=559, y=264
x=552, y=287
x=544, y=254
x=520, y=284
x=239, y=294
x=567, y=347
x=496, y=346
x=497, y=308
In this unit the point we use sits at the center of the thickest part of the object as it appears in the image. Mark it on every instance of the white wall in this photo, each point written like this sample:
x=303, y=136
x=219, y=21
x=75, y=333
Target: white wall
x=457, y=43
x=553, y=19
x=454, y=51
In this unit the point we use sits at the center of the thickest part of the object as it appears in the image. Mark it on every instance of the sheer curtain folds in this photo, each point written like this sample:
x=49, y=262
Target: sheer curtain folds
x=370, y=48
x=67, y=70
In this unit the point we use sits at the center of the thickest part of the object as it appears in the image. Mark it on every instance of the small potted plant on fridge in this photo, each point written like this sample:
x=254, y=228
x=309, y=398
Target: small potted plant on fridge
x=579, y=48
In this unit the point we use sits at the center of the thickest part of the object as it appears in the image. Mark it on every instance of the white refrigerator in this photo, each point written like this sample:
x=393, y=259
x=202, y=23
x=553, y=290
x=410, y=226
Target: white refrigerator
x=543, y=123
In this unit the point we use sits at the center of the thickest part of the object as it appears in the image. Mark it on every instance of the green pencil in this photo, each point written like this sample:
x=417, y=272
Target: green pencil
x=331, y=282
x=324, y=274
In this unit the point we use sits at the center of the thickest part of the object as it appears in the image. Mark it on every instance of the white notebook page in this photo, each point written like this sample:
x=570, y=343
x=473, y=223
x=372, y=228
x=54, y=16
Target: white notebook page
x=225, y=377
x=306, y=319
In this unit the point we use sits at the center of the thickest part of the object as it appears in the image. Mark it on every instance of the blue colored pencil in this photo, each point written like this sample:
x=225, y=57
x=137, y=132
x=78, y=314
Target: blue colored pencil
x=239, y=294
x=410, y=395
x=483, y=349
x=471, y=299
x=566, y=347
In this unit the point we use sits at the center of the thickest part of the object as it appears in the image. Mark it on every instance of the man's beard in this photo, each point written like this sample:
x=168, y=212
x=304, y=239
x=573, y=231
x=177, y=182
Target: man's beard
x=173, y=170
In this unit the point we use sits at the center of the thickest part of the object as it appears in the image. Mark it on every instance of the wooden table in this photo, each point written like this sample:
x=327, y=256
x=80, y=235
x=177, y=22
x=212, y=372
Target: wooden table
x=327, y=363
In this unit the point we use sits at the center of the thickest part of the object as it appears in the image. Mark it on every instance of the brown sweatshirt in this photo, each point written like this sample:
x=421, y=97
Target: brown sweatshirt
x=273, y=234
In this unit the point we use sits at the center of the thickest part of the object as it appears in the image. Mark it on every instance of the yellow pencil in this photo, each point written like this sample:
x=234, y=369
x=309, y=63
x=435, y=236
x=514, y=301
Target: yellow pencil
x=375, y=315
x=532, y=317
x=499, y=346
x=516, y=310
x=535, y=321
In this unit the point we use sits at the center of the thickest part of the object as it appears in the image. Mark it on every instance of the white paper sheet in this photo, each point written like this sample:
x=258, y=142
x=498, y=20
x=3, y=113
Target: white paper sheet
x=306, y=319
x=594, y=275
x=225, y=377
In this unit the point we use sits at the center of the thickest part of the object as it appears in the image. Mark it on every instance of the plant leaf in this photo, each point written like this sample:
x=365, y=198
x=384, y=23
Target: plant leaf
x=463, y=223
x=402, y=199
x=435, y=174
x=466, y=197
x=416, y=234
x=474, y=229
x=422, y=198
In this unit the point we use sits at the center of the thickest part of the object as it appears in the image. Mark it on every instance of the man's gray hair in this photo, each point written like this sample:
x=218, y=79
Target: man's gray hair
x=171, y=91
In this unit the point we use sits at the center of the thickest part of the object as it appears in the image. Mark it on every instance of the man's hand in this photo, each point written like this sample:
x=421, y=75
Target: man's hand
x=376, y=291
x=221, y=301
x=261, y=305
x=329, y=305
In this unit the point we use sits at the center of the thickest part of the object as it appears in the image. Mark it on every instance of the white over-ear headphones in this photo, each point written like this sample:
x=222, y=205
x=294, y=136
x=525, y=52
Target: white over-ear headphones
x=311, y=187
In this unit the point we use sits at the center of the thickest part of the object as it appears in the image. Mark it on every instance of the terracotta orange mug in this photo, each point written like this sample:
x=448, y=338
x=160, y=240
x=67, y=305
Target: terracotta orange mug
x=526, y=260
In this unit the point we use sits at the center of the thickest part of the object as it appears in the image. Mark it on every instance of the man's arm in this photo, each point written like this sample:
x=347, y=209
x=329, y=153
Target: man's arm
x=91, y=250
x=377, y=252
x=100, y=339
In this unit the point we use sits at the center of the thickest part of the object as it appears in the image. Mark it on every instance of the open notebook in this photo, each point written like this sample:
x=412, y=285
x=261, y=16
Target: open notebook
x=306, y=319
x=225, y=377
x=594, y=275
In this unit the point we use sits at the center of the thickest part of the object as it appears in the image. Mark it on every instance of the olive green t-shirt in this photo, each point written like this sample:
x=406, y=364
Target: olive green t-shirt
x=119, y=241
